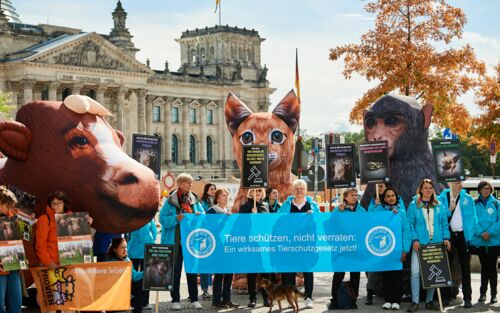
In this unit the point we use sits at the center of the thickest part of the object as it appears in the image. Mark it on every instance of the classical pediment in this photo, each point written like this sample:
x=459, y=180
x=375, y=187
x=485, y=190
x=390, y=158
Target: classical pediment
x=92, y=51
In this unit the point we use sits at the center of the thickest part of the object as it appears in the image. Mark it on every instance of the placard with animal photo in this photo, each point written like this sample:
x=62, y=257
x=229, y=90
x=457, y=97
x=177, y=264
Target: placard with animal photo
x=158, y=267
x=25, y=210
x=255, y=167
x=447, y=160
x=147, y=151
x=374, y=162
x=11, y=245
x=74, y=242
x=340, y=166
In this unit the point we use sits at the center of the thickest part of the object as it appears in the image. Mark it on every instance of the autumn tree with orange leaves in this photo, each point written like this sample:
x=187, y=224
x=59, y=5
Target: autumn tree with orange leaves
x=401, y=53
x=486, y=125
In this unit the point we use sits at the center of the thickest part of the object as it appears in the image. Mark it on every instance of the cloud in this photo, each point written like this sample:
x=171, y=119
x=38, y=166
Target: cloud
x=352, y=17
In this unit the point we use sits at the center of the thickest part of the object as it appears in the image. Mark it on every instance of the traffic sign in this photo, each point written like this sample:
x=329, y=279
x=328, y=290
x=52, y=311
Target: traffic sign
x=321, y=173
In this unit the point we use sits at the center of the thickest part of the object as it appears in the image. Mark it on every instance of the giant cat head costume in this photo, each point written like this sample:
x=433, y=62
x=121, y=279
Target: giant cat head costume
x=69, y=146
x=274, y=129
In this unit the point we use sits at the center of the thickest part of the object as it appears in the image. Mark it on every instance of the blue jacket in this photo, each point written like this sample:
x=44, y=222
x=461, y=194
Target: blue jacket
x=418, y=225
x=135, y=274
x=372, y=204
x=206, y=205
x=467, y=209
x=139, y=238
x=404, y=223
x=488, y=220
x=168, y=216
x=359, y=208
x=287, y=205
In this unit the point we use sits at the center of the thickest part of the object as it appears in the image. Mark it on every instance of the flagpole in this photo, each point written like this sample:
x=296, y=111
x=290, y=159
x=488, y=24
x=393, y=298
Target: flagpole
x=220, y=14
x=297, y=86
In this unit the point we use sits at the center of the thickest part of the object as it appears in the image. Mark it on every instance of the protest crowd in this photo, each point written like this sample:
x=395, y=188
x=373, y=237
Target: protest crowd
x=464, y=225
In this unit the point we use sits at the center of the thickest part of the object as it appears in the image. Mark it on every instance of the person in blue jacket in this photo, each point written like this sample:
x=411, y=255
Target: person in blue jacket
x=118, y=251
x=300, y=203
x=349, y=204
x=428, y=224
x=461, y=218
x=207, y=201
x=393, y=280
x=272, y=198
x=136, y=243
x=180, y=202
x=486, y=239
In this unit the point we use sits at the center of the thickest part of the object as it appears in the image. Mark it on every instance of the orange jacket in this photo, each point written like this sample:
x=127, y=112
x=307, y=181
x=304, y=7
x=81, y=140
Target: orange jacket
x=46, y=238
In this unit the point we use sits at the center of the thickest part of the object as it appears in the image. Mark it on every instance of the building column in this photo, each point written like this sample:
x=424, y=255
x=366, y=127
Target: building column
x=167, y=130
x=37, y=93
x=120, y=106
x=149, y=115
x=141, y=103
x=203, y=134
x=77, y=87
x=185, y=133
x=99, y=95
x=27, y=91
x=53, y=90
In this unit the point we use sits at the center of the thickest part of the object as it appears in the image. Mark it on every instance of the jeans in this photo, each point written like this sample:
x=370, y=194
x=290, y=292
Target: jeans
x=415, y=281
x=10, y=293
x=488, y=273
x=205, y=281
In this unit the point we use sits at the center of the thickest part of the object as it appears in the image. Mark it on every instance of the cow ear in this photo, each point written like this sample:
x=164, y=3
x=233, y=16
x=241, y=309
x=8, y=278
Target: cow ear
x=427, y=112
x=15, y=140
x=120, y=136
x=236, y=112
x=289, y=110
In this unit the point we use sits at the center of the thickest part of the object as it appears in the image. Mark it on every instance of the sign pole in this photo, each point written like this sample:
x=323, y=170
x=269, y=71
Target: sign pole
x=440, y=301
x=157, y=300
x=255, y=198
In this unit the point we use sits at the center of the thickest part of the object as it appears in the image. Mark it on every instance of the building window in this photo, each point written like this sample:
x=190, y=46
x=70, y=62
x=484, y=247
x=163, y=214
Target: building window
x=45, y=93
x=209, y=150
x=66, y=93
x=175, y=149
x=175, y=115
x=193, y=56
x=192, y=115
x=156, y=113
x=210, y=116
x=202, y=54
x=91, y=93
x=192, y=149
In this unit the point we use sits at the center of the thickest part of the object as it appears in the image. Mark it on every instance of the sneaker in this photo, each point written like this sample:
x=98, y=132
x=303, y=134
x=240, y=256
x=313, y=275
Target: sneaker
x=176, y=306
x=251, y=304
x=493, y=300
x=395, y=306
x=354, y=305
x=205, y=295
x=482, y=298
x=432, y=306
x=369, y=298
x=231, y=304
x=387, y=306
x=196, y=305
x=147, y=307
x=467, y=304
x=218, y=306
x=266, y=303
x=413, y=307
x=309, y=303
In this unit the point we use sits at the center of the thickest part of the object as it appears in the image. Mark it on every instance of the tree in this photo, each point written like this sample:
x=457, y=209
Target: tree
x=486, y=125
x=401, y=53
x=5, y=107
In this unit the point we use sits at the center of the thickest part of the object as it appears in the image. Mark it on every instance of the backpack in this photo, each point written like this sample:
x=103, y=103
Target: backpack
x=345, y=296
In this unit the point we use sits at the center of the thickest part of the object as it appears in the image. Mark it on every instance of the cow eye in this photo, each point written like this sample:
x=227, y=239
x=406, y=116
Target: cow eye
x=78, y=141
x=370, y=122
x=277, y=137
x=247, y=138
x=392, y=120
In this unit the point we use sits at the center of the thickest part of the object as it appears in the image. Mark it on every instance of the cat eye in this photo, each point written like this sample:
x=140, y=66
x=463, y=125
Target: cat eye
x=277, y=137
x=247, y=138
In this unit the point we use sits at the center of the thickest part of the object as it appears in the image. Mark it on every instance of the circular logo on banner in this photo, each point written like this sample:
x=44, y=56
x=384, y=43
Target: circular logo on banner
x=200, y=243
x=380, y=241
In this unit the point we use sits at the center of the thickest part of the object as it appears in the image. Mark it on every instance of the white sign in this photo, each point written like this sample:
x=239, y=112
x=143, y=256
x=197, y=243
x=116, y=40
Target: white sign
x=493, y=158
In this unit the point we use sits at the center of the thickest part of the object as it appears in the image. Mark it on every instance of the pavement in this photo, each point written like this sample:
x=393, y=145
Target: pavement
x=321, y=294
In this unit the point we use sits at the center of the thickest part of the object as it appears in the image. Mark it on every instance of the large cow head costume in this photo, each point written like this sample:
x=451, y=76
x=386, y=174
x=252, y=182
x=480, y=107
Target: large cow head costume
x=70, y=146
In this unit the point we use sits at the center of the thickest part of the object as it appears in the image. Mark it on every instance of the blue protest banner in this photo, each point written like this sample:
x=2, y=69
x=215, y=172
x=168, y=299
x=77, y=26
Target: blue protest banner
x=299, y=242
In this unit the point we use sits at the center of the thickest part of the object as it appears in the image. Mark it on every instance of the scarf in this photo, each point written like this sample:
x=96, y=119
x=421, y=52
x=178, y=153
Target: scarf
x=219, y=210
x=185, y=203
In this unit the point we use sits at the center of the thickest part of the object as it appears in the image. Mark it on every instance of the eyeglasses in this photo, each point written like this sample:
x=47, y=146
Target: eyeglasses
x=53, y=203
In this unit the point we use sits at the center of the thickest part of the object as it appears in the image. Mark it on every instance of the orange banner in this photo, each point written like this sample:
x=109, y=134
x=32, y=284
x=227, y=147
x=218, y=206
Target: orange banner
x=85, y=287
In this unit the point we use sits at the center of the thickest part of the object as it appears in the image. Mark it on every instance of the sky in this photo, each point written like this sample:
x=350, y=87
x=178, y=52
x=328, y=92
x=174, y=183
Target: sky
x=311, y=26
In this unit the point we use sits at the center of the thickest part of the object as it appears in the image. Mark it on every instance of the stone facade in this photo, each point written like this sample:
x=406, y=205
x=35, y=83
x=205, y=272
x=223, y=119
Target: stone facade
x=185, y=107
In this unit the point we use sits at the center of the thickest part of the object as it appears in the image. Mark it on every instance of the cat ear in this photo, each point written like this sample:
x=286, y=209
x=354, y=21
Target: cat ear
x=236, y=112
x=289, y=110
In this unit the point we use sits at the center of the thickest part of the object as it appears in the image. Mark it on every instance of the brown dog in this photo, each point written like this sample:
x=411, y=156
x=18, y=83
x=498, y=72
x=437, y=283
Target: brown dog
x=280, y=292
x=274, y=129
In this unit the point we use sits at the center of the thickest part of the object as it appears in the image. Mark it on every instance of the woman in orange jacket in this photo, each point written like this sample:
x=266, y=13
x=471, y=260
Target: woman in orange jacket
x=46, y=230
